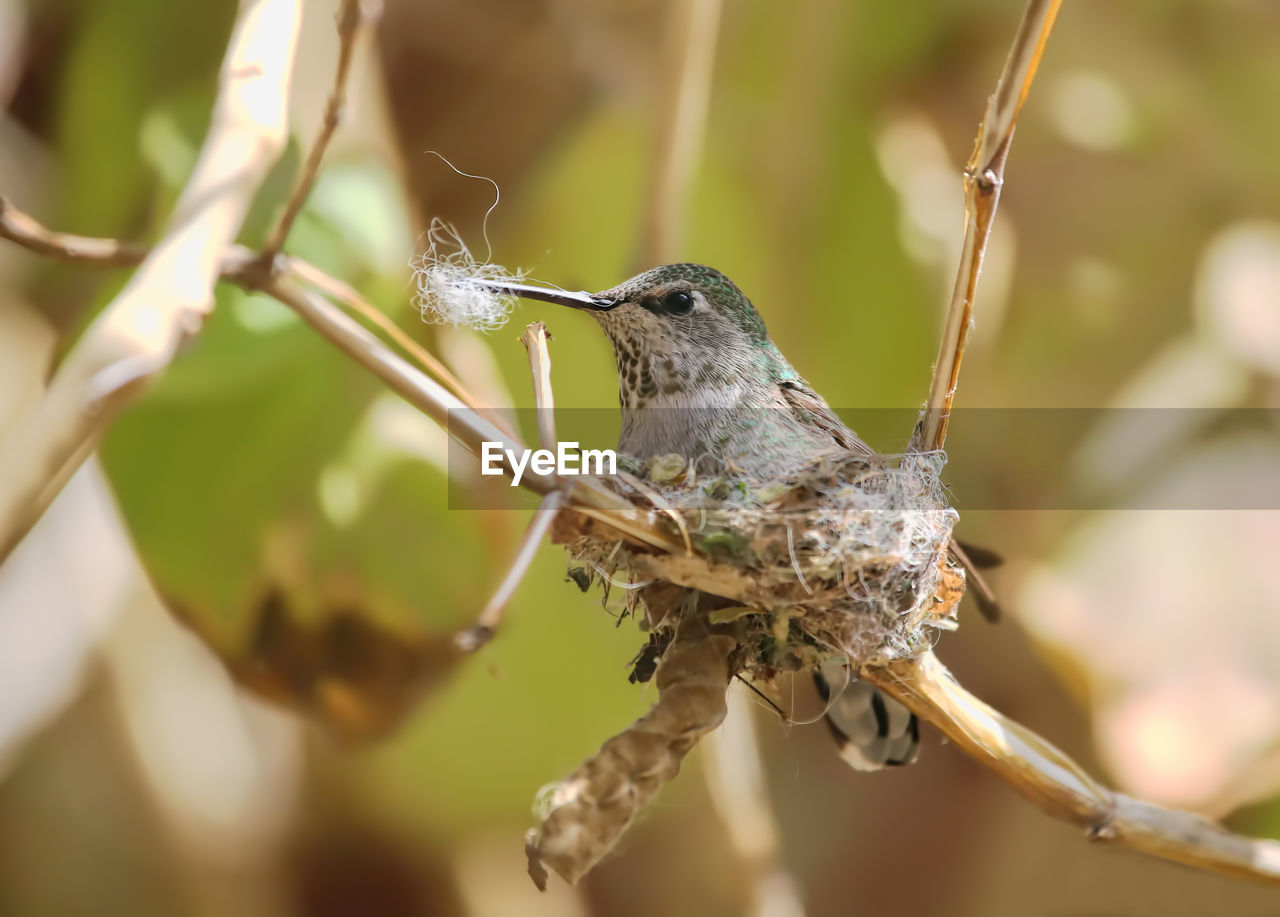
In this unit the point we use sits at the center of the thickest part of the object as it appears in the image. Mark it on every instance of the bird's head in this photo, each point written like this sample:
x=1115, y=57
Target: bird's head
x=677, y=326
x=681, y=308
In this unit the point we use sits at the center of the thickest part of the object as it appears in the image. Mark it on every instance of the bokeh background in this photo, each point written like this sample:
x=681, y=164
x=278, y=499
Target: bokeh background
x=292, y=518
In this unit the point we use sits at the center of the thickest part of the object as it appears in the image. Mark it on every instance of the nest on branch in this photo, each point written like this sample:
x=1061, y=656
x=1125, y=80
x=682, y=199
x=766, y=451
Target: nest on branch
x=847, y=557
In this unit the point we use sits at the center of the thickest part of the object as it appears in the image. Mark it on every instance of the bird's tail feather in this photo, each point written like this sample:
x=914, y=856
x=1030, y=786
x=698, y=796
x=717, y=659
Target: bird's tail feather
x=871, y=729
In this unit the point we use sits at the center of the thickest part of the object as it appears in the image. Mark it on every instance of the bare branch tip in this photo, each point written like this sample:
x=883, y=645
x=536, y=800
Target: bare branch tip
x=473, y=638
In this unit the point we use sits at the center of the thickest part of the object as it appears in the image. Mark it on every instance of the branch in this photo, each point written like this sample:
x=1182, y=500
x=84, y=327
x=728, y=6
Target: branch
x=1061, y=787
x=344, y=293
x=167, y=299
x=589, y=812
x=26, y=232
x=354, y=17
x=486, y=625
x=535, y=339
x=983, y=180
x=243, y=267
x=687, y=62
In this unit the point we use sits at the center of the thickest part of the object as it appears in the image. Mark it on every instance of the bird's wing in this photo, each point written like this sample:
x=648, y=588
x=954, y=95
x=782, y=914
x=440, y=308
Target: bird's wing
x=810, y=408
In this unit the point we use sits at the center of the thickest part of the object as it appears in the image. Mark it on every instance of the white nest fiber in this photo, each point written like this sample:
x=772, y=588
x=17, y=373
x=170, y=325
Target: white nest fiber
x=446, y=275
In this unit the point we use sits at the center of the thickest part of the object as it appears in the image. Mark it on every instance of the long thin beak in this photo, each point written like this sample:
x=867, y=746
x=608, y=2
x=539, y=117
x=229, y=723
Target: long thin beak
x=588, y=301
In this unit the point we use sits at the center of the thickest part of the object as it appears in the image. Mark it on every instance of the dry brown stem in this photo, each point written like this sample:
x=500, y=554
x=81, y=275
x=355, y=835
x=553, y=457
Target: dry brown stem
x=535, y=340
x=354, y=18
x=1061, y=787
x=486, y=624
x=983, y=179
x=591, y=810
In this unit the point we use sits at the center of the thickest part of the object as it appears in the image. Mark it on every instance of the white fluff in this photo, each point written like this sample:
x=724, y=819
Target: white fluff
x=447, y=293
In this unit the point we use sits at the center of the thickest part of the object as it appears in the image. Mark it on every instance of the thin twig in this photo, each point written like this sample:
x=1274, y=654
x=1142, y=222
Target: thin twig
x=354, y=17
x=535, y=340
x=346, y=295
x=983, y=594
x=684, y=93
x=983, y=180
x=24, y=230
x=169, y=296
x=486, y=625
x=1061, y=787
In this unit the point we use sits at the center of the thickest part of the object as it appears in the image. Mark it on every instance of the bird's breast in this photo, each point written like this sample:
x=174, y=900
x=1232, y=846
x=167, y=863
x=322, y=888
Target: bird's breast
x=724, y=430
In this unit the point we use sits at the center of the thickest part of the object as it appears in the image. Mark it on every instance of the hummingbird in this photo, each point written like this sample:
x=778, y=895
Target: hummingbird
x=698, y=375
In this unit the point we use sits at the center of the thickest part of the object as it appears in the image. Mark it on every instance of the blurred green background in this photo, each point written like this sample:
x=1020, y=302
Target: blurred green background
x=293, y=515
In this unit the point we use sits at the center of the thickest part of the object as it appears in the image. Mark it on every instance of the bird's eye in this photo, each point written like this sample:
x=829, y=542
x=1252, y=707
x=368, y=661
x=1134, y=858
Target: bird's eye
x=679, y=302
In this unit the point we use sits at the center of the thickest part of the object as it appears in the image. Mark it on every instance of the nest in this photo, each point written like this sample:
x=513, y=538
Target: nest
x=846, y=557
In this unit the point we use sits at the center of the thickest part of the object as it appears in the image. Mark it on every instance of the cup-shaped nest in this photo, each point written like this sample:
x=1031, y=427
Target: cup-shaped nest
x=846, y=556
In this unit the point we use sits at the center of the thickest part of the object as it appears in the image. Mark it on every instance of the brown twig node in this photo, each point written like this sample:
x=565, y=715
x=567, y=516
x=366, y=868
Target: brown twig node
x=589, y=812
